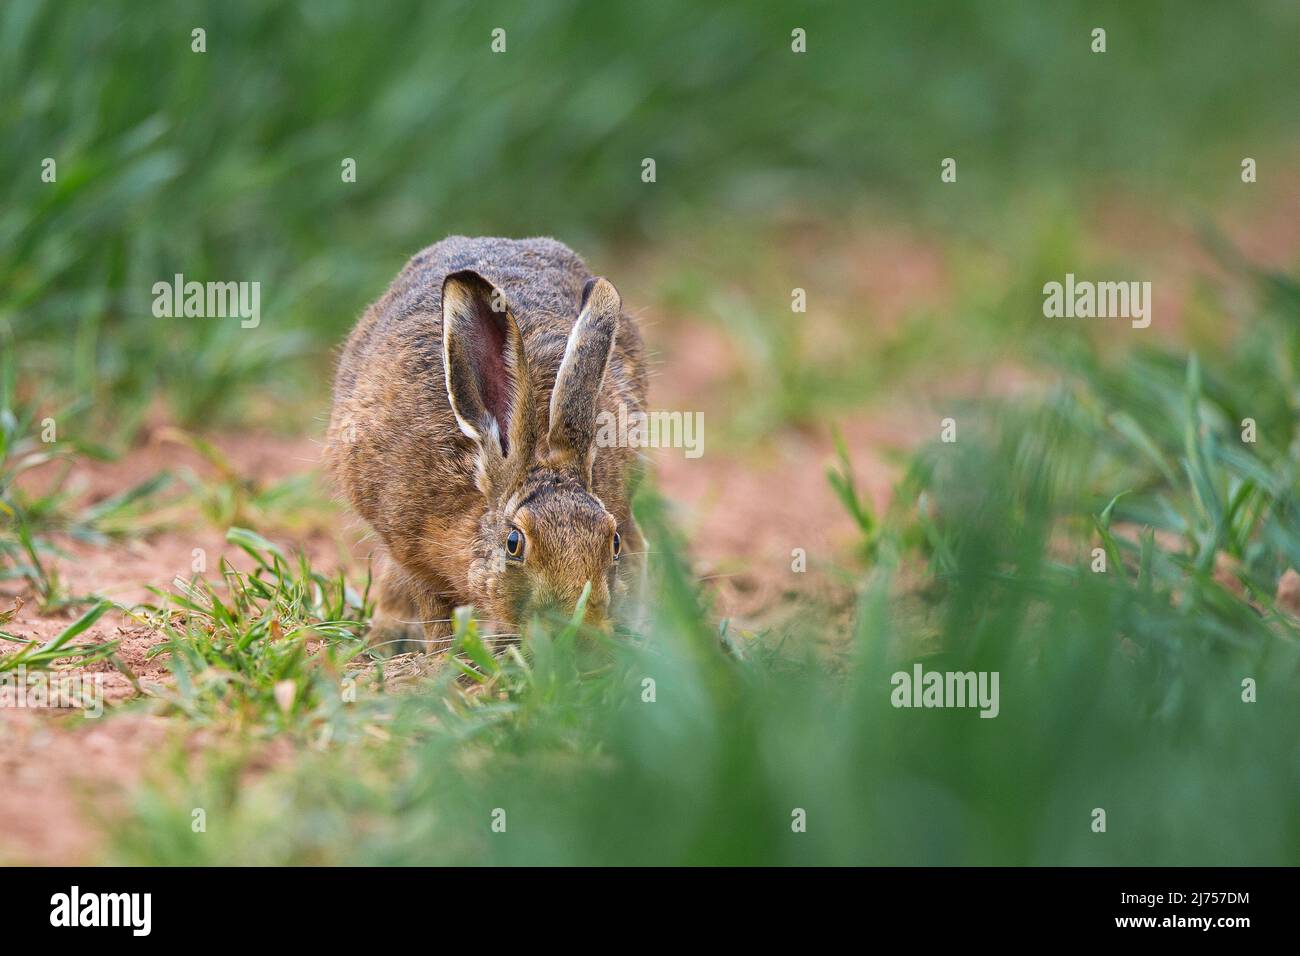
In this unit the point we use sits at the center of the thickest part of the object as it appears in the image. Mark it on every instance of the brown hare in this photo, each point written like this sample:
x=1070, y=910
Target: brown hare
x=463, y=431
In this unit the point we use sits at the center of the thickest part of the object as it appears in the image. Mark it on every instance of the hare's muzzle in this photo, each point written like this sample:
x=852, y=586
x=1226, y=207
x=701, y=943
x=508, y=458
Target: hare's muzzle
x=598, y=619
x=595, y=618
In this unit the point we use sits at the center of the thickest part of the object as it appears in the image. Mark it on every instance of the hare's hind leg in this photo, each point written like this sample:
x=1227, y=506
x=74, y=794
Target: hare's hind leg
x=408, y=617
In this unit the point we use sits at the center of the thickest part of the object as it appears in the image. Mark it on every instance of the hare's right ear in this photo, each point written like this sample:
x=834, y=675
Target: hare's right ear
x=576, y=396
x=487, y=374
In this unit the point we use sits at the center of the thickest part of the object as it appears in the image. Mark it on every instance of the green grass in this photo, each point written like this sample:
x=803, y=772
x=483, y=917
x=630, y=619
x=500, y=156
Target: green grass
x=261, y=648
x=34, y=655
x=225, y=165
x=30, y=518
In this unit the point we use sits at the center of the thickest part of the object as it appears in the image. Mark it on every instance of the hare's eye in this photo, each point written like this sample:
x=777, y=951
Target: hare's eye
x=515, y=545
x=618, y=545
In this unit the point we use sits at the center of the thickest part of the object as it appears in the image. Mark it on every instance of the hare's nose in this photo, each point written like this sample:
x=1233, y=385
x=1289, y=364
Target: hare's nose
x=595, y=617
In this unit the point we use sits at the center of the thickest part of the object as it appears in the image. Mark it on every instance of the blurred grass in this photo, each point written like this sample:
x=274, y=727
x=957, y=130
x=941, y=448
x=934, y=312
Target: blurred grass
x=225, y=165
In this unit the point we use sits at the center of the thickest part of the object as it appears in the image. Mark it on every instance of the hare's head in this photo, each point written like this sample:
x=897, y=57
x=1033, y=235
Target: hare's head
x=544, y=534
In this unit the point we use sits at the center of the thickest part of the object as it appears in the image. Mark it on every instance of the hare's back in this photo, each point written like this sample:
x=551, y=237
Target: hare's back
x=541, y=278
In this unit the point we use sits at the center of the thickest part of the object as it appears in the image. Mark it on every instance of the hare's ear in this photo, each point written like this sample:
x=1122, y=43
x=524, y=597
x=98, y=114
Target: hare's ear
x=486, y=371
x=574, y=400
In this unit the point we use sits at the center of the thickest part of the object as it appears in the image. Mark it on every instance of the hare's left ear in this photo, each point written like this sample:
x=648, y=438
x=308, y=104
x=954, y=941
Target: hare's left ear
x=487, y=378
x=575, y=398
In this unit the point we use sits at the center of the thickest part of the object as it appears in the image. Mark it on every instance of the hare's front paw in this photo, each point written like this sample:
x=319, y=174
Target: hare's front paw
x=408, y=618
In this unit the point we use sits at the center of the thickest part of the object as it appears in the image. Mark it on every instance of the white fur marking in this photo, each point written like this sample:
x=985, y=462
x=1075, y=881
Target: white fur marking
x=566, y=363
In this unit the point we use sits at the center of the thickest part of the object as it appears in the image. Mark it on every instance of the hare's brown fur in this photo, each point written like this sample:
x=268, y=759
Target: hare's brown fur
x=439, y=501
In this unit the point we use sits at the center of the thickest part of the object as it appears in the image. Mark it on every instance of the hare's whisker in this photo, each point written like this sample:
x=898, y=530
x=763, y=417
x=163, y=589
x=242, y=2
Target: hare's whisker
x=409, y=641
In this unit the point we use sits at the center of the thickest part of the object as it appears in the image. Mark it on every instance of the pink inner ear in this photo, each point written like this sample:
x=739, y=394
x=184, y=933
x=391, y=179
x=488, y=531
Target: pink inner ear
x=494, y=375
